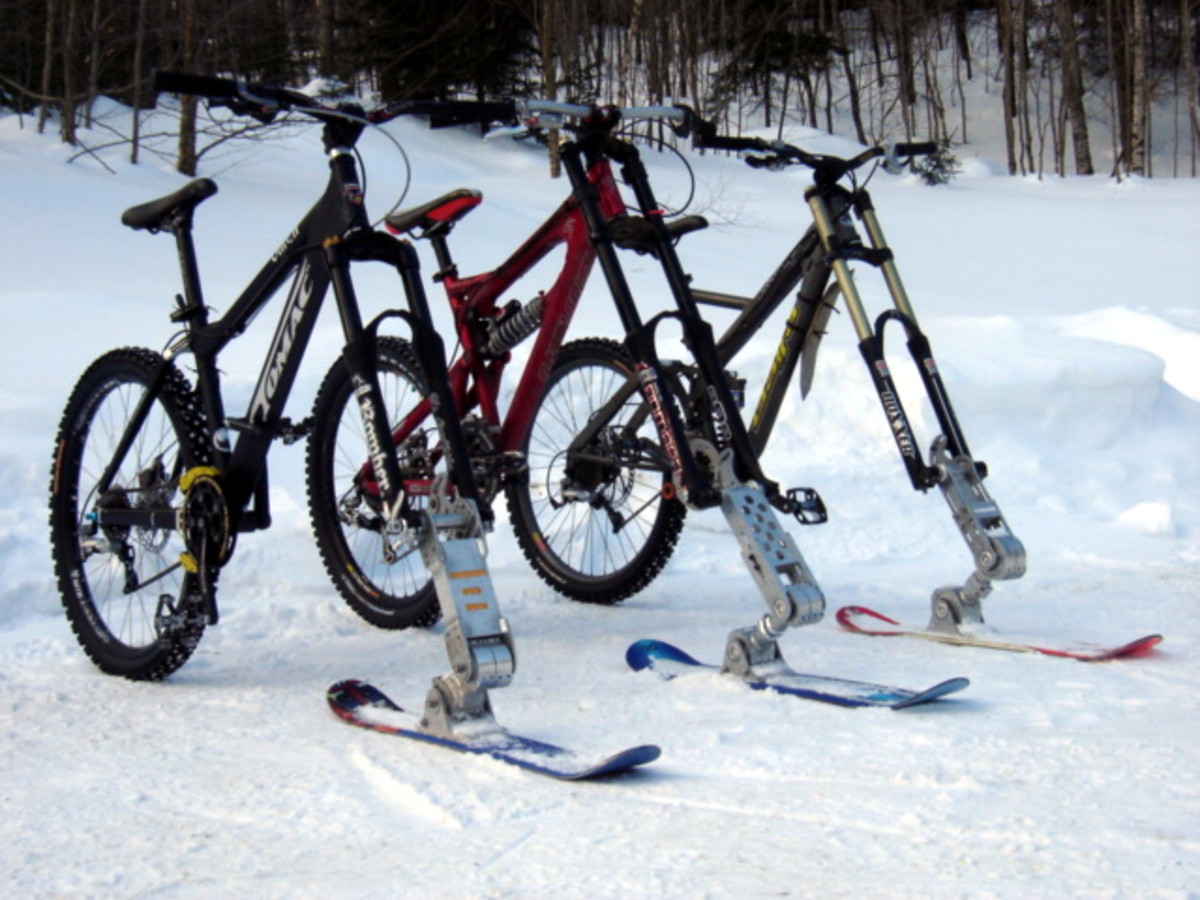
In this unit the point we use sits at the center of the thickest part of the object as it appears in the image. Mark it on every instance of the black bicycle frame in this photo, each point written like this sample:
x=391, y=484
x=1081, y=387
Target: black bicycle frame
x=318, y=251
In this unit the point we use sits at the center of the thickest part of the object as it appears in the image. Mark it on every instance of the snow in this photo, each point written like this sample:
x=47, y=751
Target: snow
x=1064, y=314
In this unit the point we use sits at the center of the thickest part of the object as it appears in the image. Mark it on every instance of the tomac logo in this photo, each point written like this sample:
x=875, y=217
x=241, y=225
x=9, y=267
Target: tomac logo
x=286, y=245
x=281, y=349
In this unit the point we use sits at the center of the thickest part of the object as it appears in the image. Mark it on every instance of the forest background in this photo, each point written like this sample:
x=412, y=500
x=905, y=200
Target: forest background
x=1080, y=86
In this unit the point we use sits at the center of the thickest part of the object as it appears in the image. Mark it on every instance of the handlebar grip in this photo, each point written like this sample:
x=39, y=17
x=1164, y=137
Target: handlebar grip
x=471, y=112
x=923, y=148
x=447, y=113
x=720, y=142
x=200, y=85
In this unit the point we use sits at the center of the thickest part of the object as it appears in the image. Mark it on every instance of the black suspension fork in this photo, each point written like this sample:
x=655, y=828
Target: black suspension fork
x=639, y=336
x=698, y=333
x=361, y=357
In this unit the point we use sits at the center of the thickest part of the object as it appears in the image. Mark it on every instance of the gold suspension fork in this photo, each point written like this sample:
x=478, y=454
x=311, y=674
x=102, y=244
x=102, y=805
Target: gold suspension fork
x=842, y=245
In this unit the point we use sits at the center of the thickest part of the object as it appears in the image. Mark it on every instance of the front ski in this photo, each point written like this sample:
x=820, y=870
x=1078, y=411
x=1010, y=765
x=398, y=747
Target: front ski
x=365, y=706
x=850, y=618
x=669, y=662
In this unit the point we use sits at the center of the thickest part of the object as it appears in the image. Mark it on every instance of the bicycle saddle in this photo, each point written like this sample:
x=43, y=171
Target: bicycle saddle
x=435, y=217
x=157, y=214
x=637, y=233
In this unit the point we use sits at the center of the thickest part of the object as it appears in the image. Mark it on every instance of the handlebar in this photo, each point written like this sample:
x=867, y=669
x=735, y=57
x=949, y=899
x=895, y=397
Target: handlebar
x=924, y=148
x=777, y=154
x=263, y=101
x=260, y=101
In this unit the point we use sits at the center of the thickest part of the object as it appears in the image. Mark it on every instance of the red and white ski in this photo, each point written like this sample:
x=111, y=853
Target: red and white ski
x=852, y=618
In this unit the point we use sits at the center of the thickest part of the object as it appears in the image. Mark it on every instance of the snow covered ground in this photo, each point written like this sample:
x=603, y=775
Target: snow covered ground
x=1066, y=318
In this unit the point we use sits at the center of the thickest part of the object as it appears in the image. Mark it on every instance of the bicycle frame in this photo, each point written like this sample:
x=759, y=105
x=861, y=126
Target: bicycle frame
x=317, y=255
x=474, y=377
x=703, y=473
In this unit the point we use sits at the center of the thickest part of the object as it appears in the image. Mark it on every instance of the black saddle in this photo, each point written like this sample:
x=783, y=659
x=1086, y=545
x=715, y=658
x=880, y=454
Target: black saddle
x=158, y=215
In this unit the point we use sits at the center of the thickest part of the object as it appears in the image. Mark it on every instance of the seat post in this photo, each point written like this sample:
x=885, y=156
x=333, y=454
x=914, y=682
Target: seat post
x=441, y=252
x=191, y=305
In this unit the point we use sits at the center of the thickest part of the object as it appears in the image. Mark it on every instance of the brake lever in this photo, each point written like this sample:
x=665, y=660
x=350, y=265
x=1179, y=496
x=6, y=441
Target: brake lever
x=537, y=120
x=516, y=132
x=773, y=163
x=263, y=113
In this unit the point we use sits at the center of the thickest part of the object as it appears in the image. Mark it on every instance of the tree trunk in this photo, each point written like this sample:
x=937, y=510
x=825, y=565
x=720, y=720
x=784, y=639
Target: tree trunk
x=326, y=49
x=1021, y=37
x=93, y=85
x=961, y=37
x=1139, y=89
x=50, y=49
x=1007, y=55
x=1186, y=12
x=1118, y=91
x=1073, y=86
x=547, y=33
x=139, y=47
x=843, y=50
x=186, y=163
x=906, y=65
x=70, y=43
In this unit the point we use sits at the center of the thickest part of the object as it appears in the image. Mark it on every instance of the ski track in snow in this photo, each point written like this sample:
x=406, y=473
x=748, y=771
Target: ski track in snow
x=1065, y=315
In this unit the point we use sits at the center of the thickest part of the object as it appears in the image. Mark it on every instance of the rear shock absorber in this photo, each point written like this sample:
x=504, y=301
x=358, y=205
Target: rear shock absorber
x=516, y=324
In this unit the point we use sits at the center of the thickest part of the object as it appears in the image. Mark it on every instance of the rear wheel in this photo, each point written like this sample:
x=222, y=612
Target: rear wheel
x=134, y=609
x=595, y=523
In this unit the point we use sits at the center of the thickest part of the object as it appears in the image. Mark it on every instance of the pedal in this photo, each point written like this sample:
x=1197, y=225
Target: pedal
x=290, y=433
x=806, y=505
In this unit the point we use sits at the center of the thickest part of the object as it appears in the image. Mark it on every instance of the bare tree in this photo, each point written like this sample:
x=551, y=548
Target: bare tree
x=1072, y=86
x=188, y=53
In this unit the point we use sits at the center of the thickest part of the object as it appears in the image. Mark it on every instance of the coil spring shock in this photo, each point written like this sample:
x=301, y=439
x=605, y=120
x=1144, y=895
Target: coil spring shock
x=517, y=323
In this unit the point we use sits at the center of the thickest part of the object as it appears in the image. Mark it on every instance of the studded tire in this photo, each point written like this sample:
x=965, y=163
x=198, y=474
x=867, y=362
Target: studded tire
x=116, y=582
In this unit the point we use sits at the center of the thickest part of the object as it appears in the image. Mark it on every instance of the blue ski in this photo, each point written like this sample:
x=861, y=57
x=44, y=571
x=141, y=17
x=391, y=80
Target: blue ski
x=669, y=661
x=365, y=706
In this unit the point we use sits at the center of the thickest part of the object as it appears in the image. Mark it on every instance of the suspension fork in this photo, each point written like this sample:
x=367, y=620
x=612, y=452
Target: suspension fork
x=997, y=552
x=478, y=641
x=830, y=206
x=360, y=354
x=639, y=337
x=698, y=333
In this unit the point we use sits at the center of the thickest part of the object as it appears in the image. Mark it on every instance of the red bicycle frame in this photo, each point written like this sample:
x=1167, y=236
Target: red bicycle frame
x=475, y=376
